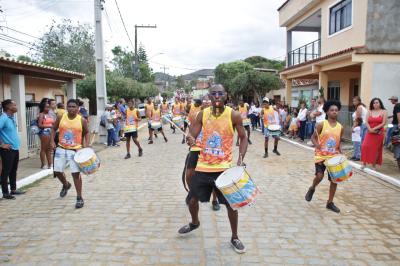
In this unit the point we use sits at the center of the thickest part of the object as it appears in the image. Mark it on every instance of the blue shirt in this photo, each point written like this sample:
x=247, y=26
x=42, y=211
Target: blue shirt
x=8, y=131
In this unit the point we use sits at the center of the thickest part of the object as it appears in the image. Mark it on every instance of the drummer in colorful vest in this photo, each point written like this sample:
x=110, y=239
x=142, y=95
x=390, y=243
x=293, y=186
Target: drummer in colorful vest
x=73, y=135
x=155, y=118
x=217, y=124
x=131, y=128
x=244, y=112
x=177, y=112
x=326, y=139
x=270, y=117
x=148, y=107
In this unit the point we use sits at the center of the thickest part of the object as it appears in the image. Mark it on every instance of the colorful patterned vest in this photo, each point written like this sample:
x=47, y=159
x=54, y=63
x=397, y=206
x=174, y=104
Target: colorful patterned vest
x=269, y=117
x=243, y=113
x=329, y=140
x=164, y=108
x=176, y=109
x=156, y=115
x=132, y=120
x=149, y=108
x=70, y=132
x=217, y=141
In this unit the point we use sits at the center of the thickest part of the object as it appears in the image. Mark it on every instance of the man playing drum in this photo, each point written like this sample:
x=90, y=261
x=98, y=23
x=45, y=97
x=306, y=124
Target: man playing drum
x=326, y=139
x=217, y=124
x=131, y=128
x=155, y=118
x=177, y=114
x=73, y=135
x=271, y=118
x=148, y=107
x=244, y=112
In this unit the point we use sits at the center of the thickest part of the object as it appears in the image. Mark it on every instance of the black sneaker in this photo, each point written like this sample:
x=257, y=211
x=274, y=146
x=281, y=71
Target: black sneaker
x=17, y=192
x=215, y=206
x=155, y=135
x=64, y=190
x=238, y=246
x=331, y=206
x=265, y=155
x=8, y=197
x=237, y=144
x=128, y=156
x=140, y=152
x=276, y=152
x=79, y=203
x=188, y=228
x=250, y=142
x=183, y=141
x=309, y=194
x=165, y=139
x=150, y=142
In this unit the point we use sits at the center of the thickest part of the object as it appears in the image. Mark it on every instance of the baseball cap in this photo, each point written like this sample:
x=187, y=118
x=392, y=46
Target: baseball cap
x=265, y=99
x=394, y=98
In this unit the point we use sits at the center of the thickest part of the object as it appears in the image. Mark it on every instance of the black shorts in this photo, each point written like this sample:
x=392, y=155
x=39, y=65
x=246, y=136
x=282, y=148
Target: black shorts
x=246, y=127
x=134, y=135
x=320, y=168
x=158, y=129
x=185, y=124
x=202, y=185
x=192, y=160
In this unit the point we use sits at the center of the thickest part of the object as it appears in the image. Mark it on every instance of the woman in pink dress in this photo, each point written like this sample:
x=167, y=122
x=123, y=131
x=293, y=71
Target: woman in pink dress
x=372, y=146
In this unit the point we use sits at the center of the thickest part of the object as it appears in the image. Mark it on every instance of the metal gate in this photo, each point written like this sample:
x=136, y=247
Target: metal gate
x=33, y=139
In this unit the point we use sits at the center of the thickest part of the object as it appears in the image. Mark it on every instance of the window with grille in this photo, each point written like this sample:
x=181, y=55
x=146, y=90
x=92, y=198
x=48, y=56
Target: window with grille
x=334, y=90
x=340, y=16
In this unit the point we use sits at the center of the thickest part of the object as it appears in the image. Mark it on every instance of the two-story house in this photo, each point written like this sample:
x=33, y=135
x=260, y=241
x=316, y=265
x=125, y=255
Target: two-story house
x=357, y=51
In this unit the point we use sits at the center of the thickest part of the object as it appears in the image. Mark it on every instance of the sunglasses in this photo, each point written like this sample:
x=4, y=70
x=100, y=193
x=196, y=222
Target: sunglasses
x=217, y=93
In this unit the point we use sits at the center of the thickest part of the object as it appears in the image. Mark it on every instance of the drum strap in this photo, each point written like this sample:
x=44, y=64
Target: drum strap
x=184, y=172
x=66, y=149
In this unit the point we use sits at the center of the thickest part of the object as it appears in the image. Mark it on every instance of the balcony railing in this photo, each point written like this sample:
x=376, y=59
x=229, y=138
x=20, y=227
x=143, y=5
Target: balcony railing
x=305, y=53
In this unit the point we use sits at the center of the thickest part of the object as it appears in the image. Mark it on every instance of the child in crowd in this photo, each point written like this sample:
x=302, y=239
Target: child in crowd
x=286, y=122
x=356, y=139
x=293, y=128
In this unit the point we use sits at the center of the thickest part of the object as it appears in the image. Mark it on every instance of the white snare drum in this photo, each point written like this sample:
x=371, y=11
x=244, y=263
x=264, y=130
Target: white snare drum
x=87, y=161
x=274, y=130
x=177, y=121
x=155, y=125
x=339, y=168
x=237, y=187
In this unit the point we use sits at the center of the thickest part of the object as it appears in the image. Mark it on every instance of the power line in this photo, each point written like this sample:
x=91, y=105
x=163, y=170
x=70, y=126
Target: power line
x=19, y=32
x=123, y=23
x=108, y=20
x=19, y=43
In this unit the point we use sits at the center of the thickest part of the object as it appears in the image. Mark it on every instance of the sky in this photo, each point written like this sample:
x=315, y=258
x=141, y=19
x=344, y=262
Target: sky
x=190, y=34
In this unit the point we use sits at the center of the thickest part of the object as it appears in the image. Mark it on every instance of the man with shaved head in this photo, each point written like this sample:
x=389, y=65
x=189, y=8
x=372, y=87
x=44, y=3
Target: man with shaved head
x=217, y=124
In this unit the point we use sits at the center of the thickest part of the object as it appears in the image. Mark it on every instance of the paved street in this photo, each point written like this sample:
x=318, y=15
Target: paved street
x=133, y=209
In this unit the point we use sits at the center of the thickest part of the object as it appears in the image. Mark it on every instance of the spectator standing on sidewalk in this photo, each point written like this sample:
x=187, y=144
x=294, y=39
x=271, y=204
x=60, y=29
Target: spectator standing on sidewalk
x=302, y=118
x=395, y=119
x=360, y=112
x=312, y=118
x=45, y=123
x=372, y=145
x=356, y=139
x=9, y=149
x=110, y=127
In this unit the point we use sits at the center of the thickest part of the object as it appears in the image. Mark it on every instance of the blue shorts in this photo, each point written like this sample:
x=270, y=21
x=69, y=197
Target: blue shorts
x=267, y=134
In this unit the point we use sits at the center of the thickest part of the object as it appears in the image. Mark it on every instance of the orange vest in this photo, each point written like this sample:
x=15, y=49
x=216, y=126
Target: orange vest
x=149, y=108
x=243, y=113
x=216, y=142
x=329, y=140
x=70, y=132
x=156, y=115
x=269, y=117
x=193, y=112
x=164, y=108
x=132, y=120
x=176, y=109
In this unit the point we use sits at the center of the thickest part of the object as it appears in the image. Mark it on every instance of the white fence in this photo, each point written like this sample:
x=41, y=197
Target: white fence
x=33, y=139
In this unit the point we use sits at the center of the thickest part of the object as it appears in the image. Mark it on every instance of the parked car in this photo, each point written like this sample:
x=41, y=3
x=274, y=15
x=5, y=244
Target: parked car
x=141, y=110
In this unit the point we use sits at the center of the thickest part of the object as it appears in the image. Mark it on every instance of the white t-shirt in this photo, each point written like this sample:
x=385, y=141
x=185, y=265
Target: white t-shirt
x=109, y=116
x=356, y=134
x=322, y=116
x=302, y=115
x=364, y=112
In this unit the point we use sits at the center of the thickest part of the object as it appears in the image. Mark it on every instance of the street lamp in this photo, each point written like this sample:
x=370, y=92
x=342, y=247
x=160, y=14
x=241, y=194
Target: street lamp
x=154, y=56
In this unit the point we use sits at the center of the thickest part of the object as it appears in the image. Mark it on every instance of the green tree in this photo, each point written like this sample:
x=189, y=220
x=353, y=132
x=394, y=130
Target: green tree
x=262, y=62
x=24, y=58
x=142, y=54
x=123, y=61
x=226, y=72
x=180, y=83
x=86, y=88
x=67, y=45
x=254, y=83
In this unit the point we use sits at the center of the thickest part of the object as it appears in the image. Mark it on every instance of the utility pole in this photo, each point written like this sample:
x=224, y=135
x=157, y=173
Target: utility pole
x=101, y=90
x=136, y=66
x=165, y=80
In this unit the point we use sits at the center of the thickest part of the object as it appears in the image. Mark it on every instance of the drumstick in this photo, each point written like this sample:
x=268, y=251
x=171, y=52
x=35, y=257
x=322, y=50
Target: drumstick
x=92, y=140
x=172, y=123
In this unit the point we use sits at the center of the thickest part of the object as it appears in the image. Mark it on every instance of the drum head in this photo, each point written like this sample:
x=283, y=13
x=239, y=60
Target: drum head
x=274, y=127
x=83, y=155
x=335, y=160
x=231, y=175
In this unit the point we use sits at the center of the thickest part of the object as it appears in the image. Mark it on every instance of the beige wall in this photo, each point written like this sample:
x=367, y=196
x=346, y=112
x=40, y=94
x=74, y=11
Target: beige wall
x=43, y=88
x=354, y=35
x=344, y=79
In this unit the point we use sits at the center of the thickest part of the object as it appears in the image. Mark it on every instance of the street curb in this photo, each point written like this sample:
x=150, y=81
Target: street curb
x=357, y=166
x=26, y=181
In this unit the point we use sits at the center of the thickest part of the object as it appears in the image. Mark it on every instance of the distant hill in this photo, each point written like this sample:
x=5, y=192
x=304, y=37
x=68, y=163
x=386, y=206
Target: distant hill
x=160, y=76
x=202, y=73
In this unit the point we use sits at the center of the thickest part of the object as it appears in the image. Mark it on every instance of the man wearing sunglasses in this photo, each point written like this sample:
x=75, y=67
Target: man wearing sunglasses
x=217, y=124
